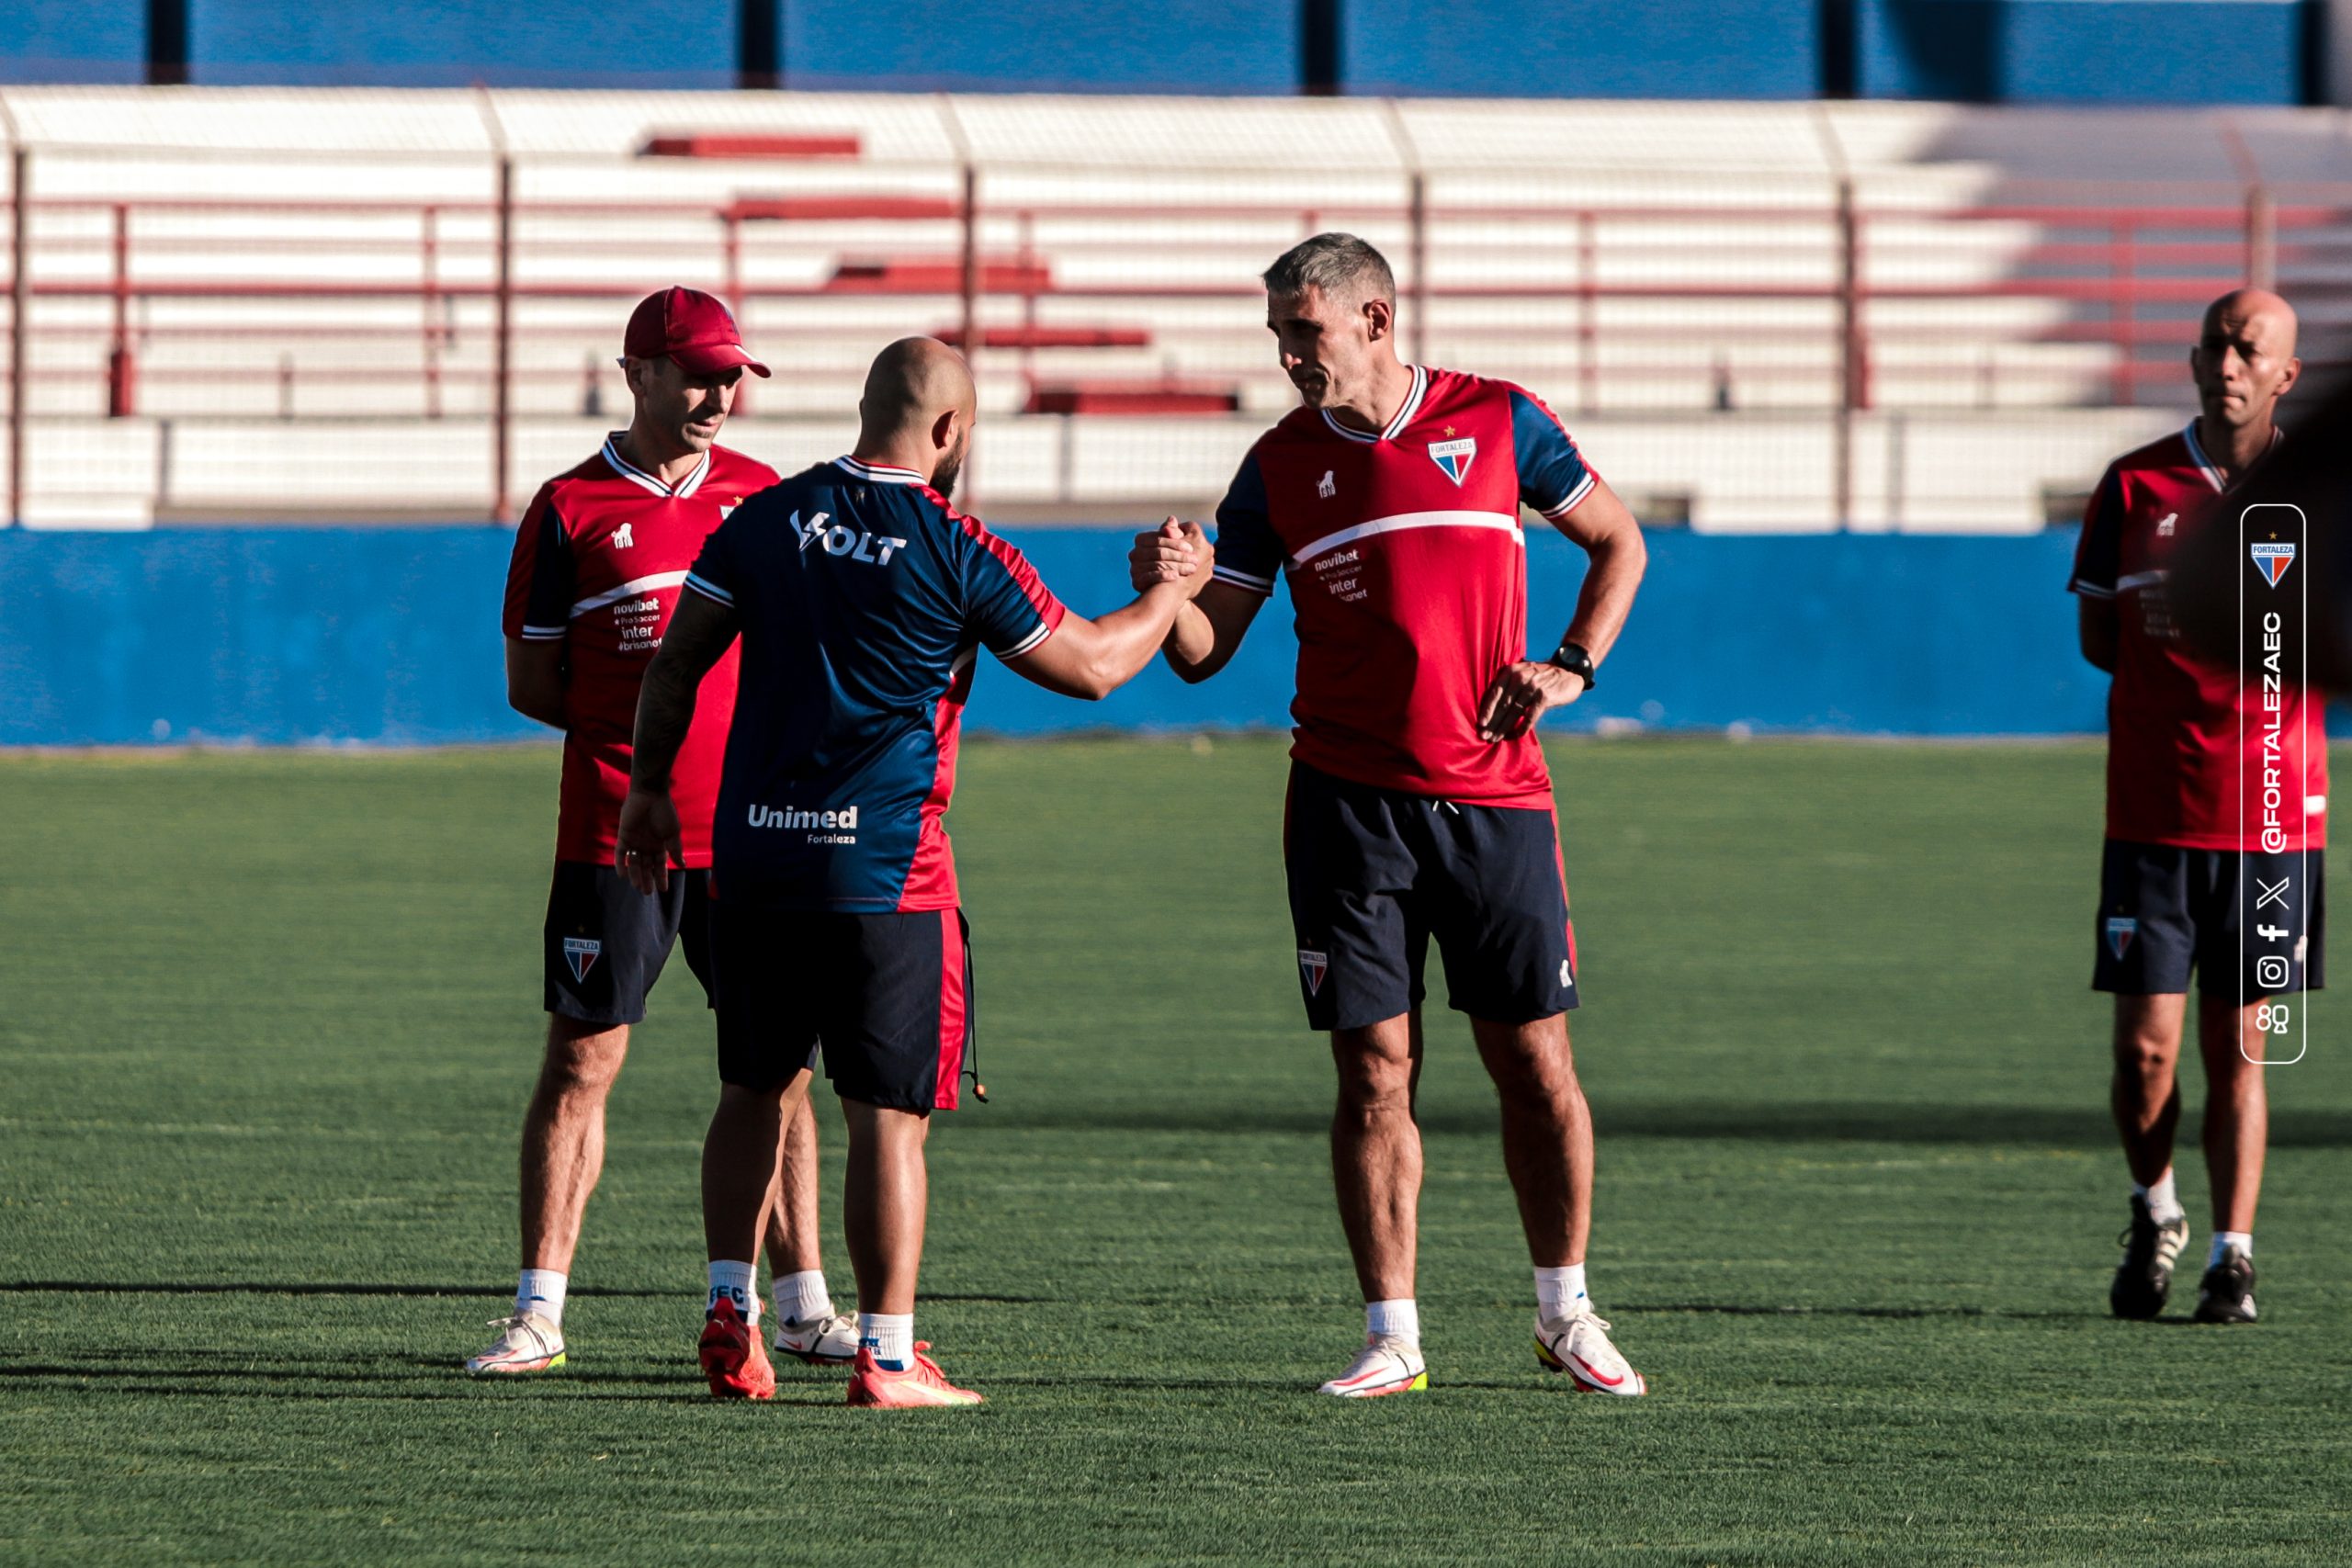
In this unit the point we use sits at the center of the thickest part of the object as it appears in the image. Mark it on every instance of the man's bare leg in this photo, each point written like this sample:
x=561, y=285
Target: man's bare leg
x=792, y=1223
x=883, y=1202
x=1377, y=1152
x=1547, y=1151
x=2146, y=1092
x=1547, y=1134
x=563, y=1153
x=2238, y=1110
x=740, y=1154
x=563, y=1136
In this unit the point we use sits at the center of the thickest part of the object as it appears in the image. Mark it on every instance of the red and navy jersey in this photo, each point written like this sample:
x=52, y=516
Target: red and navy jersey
x=1409, y=578
x=2183, y=736
x=863, y=599
x=599, y=561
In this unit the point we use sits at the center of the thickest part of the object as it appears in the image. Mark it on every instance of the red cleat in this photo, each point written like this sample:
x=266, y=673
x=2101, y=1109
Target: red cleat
x=876, y=1387
x=732, y=1358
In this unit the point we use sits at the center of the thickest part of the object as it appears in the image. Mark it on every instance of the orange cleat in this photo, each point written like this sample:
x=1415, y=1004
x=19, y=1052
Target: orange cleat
x=875, y=1387
x=732, y=1358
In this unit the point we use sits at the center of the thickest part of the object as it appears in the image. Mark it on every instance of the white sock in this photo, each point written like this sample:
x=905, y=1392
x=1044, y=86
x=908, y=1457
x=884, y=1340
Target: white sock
x=1559, y=1292
x=541, y=1291
x=891, y=1336
x=737, y=1282
x=802, y=1297
x=2242, y=1240
x=1397, y=1319
x=2164, y=1198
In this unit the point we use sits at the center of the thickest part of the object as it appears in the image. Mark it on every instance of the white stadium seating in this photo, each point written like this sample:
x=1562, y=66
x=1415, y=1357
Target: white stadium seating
x=309, y=344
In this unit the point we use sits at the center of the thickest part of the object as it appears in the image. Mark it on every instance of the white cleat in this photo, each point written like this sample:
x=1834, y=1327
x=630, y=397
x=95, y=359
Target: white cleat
x=821, y=1342
x=1578, y=1345
x=1384, y=1366
x=527, y=1342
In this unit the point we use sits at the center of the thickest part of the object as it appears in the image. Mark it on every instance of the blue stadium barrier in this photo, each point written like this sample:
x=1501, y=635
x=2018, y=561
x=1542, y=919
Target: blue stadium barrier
x=1167, y=46
x=74, y=40
x=1584, y=49
x=2083, y=52
x=549, y=43
x=389, y=637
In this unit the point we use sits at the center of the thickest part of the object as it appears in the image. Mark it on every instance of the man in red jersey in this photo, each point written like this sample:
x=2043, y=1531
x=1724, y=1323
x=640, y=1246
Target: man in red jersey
x=2190, y=880
x=599, y=563
x=1419, y=804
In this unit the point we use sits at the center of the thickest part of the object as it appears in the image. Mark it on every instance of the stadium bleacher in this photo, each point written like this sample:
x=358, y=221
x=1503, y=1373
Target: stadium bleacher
x=1756, y=315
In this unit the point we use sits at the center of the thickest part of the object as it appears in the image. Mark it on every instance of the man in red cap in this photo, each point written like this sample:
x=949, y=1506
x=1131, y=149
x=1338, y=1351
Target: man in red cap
x=598, y=566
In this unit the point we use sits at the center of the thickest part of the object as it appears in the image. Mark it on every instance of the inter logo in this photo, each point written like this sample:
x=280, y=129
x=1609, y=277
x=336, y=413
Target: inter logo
x=1314, y=965
x=581, y=952
x=1454, y=456
x=2120, y=930
x=2272, y=558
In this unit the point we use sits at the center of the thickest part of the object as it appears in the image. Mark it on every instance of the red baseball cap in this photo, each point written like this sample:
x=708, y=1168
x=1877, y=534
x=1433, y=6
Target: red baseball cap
x=691, y=327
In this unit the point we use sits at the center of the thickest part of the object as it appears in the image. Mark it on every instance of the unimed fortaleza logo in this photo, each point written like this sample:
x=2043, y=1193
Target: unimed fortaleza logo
x=843, y=818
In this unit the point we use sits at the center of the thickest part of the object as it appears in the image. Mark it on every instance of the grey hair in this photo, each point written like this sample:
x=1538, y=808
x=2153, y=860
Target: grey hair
x=1340, y=265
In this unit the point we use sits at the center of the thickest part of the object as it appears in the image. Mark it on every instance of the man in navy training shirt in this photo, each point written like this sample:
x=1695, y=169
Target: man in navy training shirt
x=863, y=599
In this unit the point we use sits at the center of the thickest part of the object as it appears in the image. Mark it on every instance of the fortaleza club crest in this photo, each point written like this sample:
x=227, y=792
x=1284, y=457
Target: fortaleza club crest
x=1454, y=456
x=1314, y=965
x=2272, y=558
x=2120, y=930
x=581, y=952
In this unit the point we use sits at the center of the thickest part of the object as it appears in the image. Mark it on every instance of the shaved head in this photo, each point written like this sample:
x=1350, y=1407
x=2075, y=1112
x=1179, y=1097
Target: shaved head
x=2244, y=363
x=2245, y=307
x=912, y=383
x=918, y=408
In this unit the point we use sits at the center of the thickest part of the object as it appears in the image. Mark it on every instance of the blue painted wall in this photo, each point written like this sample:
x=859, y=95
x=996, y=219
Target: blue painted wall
x=2081, y=52
x=443, y=43
x=85, y=40
x=1583, y=48
x=390, y=636
x=1168, y=46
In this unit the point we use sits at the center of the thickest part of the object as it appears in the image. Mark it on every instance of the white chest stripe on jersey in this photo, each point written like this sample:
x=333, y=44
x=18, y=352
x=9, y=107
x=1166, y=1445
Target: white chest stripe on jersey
x=628, y=590
x=1494, y=520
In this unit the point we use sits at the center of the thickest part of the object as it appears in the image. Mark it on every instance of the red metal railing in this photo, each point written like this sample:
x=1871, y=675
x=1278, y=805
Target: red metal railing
x=2127, y=278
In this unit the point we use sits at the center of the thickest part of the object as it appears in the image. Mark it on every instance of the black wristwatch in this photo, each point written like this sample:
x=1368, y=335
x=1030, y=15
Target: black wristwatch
x=1573, y=659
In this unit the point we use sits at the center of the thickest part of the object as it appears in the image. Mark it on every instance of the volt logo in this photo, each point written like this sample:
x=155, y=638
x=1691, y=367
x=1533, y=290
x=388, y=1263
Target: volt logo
x=875, y=549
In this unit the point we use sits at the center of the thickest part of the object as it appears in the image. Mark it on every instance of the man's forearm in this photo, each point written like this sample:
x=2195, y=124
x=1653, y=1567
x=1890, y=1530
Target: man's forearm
x=1131, y=635
x=1607, y=597
x=1191, y=640
x=666, y=710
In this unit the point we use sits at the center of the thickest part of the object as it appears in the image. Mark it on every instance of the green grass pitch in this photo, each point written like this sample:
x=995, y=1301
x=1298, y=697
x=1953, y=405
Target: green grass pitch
x=269, y=1020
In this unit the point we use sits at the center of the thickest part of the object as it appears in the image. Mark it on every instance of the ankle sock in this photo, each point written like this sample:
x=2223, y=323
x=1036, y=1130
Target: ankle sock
x=2223, y=1240
x=737, y=1282
x=891, y=1336
x=1559, y=1292
x=1396, y=1319
x=802, y=1297
x=2164, y=1198
x=541, y=1291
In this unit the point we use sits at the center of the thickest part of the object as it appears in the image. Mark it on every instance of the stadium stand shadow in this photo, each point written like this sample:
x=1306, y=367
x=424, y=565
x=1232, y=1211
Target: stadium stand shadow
x=1791, y=1122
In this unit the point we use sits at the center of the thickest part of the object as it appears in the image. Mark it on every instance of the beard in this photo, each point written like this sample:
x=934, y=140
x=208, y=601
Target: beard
x=950, y=469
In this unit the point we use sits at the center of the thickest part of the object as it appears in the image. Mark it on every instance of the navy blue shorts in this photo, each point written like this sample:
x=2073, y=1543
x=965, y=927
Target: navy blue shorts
x=605, y=942
x=890, y=995
x=2165, y=911
x=1375, y=873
